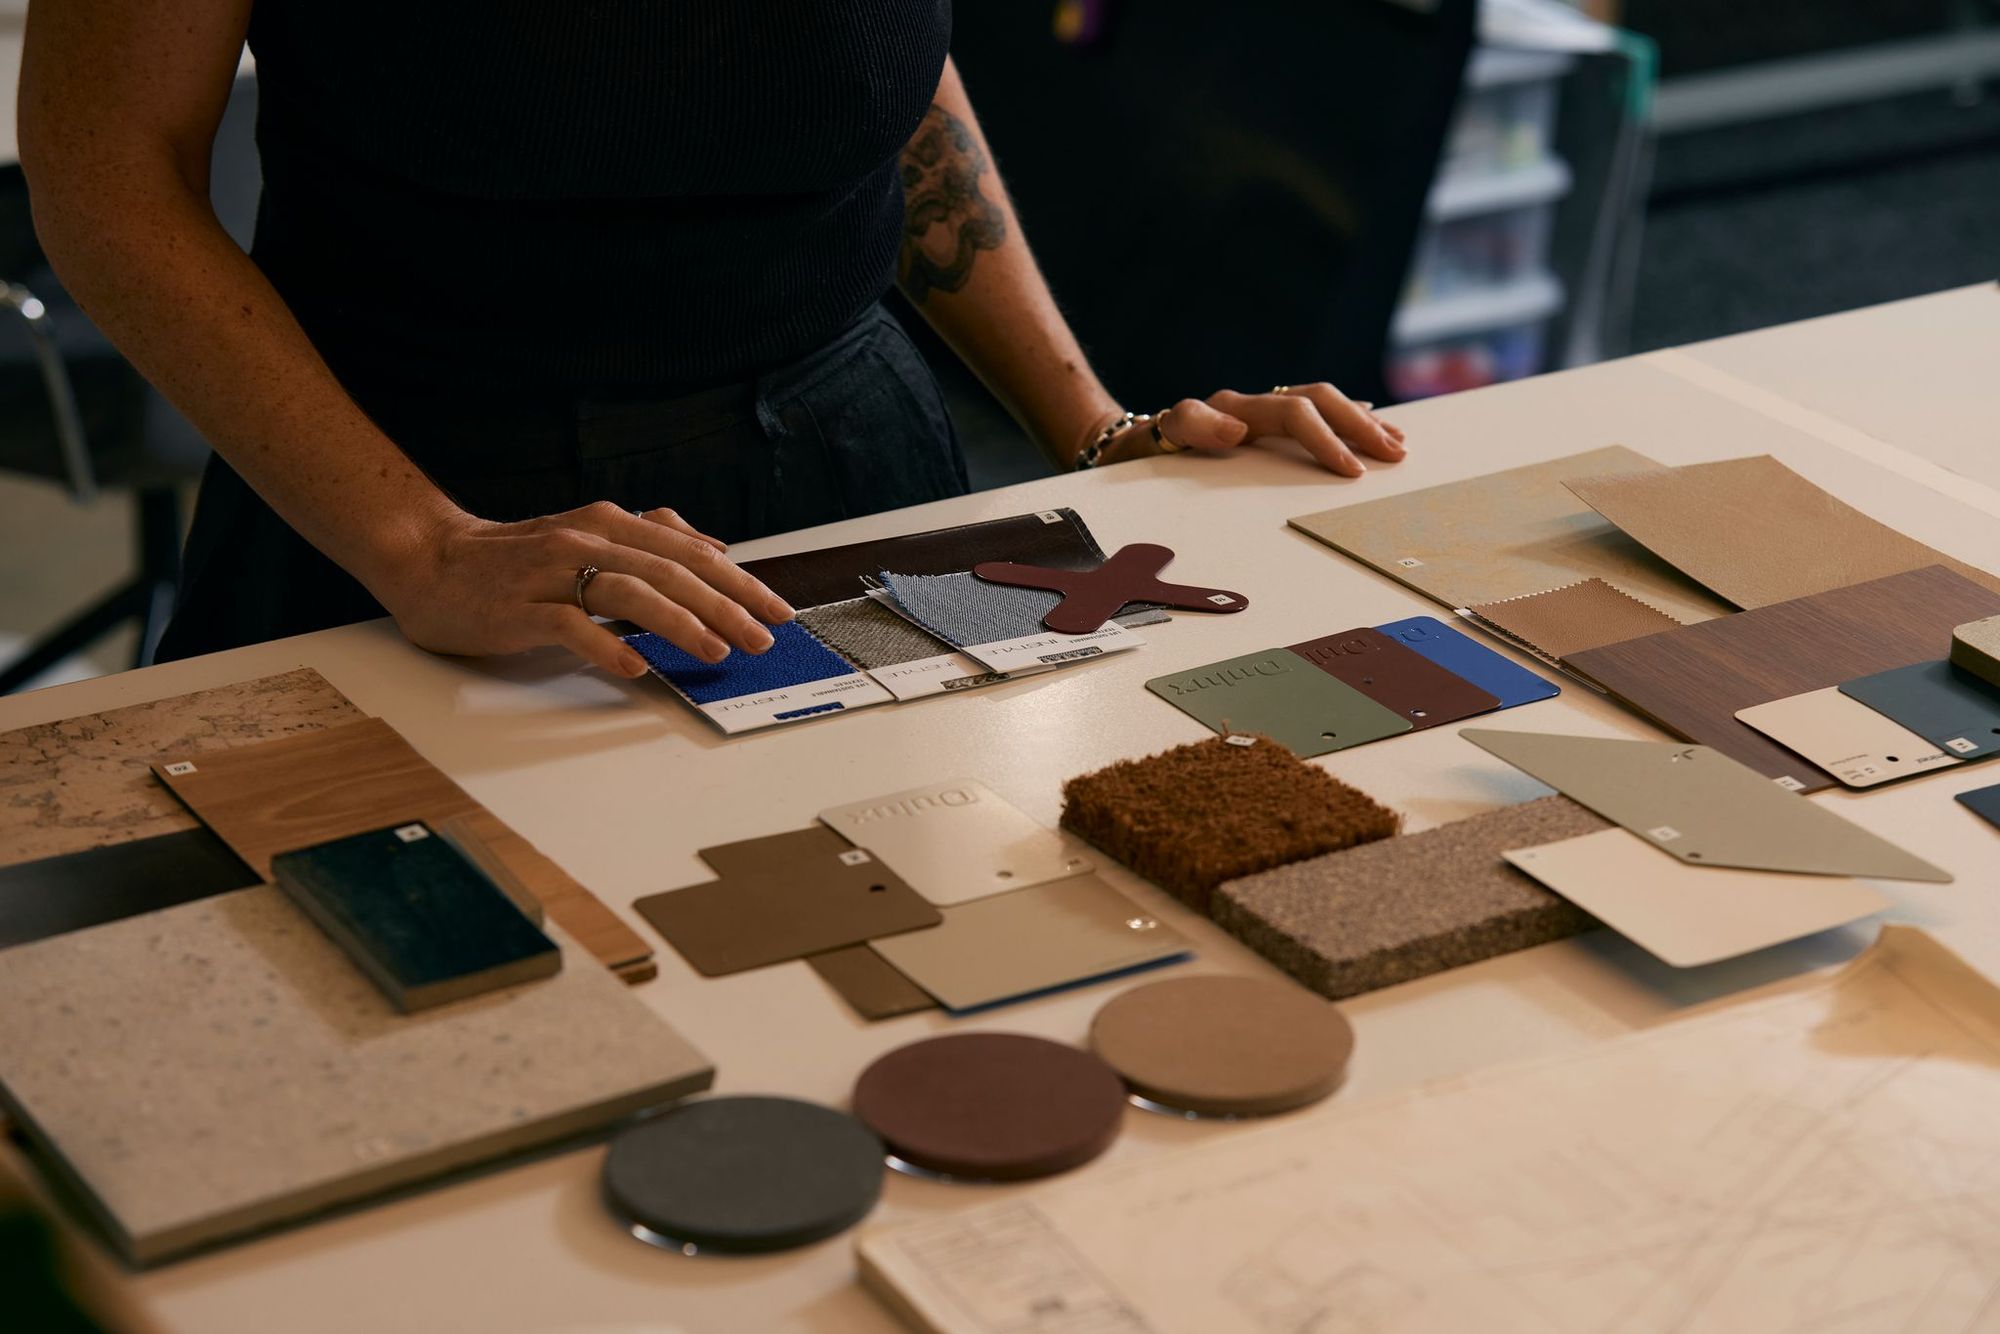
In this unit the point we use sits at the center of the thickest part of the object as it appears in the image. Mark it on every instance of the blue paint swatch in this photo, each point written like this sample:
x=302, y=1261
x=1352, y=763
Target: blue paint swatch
x=1466, y=657
x=1983, y=802
x=795, y=658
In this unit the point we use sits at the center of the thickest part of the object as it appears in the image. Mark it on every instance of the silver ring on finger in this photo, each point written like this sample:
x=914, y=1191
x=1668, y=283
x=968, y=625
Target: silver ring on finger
x=583, y=578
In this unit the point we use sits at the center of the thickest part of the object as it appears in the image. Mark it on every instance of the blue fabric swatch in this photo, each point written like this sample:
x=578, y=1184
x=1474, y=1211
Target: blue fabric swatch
x=794, y=659
x=964, y=610
x=1470, y=660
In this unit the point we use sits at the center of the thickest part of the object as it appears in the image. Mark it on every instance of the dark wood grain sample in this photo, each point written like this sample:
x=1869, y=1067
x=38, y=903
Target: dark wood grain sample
x=1397, y=677
x=1693, y=679
x=45, y=898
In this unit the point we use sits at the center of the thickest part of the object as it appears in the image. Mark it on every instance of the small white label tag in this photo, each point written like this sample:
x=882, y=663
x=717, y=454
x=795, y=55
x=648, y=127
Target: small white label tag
x=936, y=676
x=410, y=833
x=1049, y=649
x=1222, y=599
x=1789, y=783
x=1048, y=516
x=1961, y=745
x=1666, y=833
x=1239, y=741
x=180, y=768
x=1410, y=563
x=853, y=857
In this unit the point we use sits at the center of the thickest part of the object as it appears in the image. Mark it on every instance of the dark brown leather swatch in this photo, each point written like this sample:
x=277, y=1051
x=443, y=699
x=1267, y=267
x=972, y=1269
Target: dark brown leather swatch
x=1692, y=680
x=870, y=984
x=1397, y=677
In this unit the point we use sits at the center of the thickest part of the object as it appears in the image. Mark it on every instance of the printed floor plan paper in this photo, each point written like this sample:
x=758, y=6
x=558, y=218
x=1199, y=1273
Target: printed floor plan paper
x=1509, y=533
x=1811, y=1157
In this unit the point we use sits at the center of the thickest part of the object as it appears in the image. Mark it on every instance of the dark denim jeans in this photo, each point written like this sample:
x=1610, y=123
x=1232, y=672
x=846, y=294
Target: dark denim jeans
x=856, y=427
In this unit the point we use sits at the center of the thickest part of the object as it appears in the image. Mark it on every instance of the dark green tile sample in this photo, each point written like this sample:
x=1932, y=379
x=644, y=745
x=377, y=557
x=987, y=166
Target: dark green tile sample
x=1949, y=708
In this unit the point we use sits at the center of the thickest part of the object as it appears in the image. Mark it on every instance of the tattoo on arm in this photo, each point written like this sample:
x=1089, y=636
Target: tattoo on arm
x=947, y=220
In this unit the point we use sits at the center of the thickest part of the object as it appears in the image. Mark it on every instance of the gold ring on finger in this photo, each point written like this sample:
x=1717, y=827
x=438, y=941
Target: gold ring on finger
x=583, y=578
x=1281, y=389
x=1160, y=436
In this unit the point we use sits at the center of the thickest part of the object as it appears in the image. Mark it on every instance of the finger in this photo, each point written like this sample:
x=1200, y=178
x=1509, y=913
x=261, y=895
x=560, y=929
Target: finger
x=1355, y=424
x=682, y=587
x=1294, y=419
x=1195, y=424
x=704, y=559
x=590, y=641
x=669, y=518
x=628, y=598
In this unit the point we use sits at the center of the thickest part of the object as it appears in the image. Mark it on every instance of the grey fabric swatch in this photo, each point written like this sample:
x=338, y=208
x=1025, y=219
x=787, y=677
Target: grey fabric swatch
x=966, y=610
x=870, y=635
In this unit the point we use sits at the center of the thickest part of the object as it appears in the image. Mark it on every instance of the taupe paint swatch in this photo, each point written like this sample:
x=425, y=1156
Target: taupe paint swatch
x=1755, y=532
x=1397, y=677
x=869, y=984
x=220, y=1067
x=1561, y=621
x=1686, y=914
x=1282, y=696
x=1506, y=534
x=1013, y=945
x=1691, y=681
x=1950, y=708
x=1700, y=806
x=1846, y=738
x=957, y=840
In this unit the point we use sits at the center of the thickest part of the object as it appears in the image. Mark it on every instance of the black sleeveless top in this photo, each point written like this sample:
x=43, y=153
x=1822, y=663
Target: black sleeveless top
x=584, y=193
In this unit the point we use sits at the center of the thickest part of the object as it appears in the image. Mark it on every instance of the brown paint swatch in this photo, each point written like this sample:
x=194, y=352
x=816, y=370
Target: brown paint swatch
x=991, y=1106
x=1408, y=907
x=1509, y=533
x=1755, y=532
x=1224, y=1046
x=313, y=788
x=869, y=984
x=1562, y=621
x=1693, y=679
x=1397, y=677
x=1192, y=817
x=784, y=897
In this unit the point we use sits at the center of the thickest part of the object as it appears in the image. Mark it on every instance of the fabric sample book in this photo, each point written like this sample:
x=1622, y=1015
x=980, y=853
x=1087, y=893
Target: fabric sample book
x=1509, y=533
x=869, y=635
x=220, y=1067
x=796, y=678
x=1560, y=621
x=1280, y=695
x=1755, y=532
x=1692, y=680
x=1407, y=907
x=1192, y=817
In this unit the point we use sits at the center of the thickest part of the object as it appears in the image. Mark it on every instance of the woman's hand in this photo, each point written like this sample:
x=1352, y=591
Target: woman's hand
x=488, y=588
x=1332, y=427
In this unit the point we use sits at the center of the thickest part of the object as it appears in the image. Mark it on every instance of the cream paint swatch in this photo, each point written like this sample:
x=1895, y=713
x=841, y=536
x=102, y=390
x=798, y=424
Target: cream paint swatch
x=1014, y=945
x=1690, y=915
x=221, y=1067
x=1507, y=534
x=1755, y=532
x=1846, y=738
x=957, y=840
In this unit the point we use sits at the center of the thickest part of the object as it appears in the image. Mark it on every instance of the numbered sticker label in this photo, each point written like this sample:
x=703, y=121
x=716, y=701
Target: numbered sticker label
x=1961, y=745
x=410, y=833
x=1666, y=833
x=853, y=857
x=180, y=769
x=1222, y=599
x=1789, y=783
x=1410, y=563
x=1239, y=741
x=1048, y=516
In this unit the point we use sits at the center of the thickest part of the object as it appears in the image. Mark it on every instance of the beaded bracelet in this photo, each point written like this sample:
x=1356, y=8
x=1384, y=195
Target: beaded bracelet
x=1093, y=451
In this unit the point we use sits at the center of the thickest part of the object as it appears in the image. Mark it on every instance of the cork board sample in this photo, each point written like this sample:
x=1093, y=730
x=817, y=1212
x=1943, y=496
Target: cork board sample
x=278, y=1082
x=339, y=781
x=86, y=782
x=1692, y=680
x=1192, y=817
x=1755, y=532
x=1394, y=911
x=1507, y=534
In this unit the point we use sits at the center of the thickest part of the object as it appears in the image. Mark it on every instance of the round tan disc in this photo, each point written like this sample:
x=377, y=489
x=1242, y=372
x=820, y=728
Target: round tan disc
x=1224, y=1046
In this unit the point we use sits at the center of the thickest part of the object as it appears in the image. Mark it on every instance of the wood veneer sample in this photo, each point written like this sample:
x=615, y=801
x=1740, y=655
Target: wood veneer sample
x=784, y=897
x=1279, y=695
x=1686, y=914
x=277, y=1082
x=869, y=984
x=743, y=1175
x=1692, y=680
x=1224, y=1046
x=1947, y=707
x=85, y=782
x=1509, y=533
x=1560, y=621
x=991, y=1106
x=1846, y=738
x=1698, y=805
x=1398, y=678
x=1755, y=532
x=1407, y=907
x=354, y=777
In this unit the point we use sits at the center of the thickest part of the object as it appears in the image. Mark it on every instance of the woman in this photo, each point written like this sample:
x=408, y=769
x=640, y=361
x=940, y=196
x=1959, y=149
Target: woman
x=541, y=290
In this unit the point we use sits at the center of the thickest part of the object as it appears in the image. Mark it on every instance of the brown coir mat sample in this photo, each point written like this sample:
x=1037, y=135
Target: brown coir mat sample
x=1192, y=817
x=1390, y=912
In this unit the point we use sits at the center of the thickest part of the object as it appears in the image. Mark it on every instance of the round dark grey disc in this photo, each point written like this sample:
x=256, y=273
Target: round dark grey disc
x=743, y=1174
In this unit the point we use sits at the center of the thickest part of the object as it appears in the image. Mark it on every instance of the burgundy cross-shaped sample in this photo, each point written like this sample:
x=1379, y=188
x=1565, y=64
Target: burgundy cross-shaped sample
x=1092, y=597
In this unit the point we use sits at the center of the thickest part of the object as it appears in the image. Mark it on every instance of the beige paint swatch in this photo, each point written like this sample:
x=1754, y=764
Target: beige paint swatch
x=1846, y=738
x=1689, y=915
x=1010, y=946
x=1567, y=620
x=957, y=840
x=1507, y=534
x=1755, y=532
x=221, y=1067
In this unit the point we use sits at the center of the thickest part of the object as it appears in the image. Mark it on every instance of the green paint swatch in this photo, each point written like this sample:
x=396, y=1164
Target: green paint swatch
x=1284, y=697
